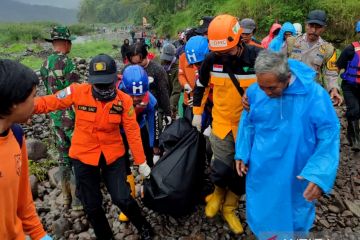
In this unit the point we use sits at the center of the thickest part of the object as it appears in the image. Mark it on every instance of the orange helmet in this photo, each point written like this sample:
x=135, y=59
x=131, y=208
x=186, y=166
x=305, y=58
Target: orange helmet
x=223, y=33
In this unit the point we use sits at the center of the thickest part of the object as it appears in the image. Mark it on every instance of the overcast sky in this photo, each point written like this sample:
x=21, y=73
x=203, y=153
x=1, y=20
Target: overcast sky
x=73, y=4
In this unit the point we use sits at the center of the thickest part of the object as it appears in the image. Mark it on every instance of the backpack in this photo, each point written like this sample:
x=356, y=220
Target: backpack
x=18, y=133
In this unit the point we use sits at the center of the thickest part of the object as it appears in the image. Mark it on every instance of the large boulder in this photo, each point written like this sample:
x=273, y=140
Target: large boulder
x=60, y=226
x=36, y=149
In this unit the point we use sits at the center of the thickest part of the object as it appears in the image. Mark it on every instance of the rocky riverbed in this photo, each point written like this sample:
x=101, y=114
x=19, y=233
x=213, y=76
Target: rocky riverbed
x=338, y=214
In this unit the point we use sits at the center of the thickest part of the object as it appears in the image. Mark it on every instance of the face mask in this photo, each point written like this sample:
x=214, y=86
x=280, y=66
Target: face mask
x=104, y=93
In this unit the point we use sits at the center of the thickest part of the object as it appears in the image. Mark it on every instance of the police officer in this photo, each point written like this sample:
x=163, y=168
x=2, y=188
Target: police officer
x=57, y=73
x=228, y=56
x=349, y=60
x=314, y=51
x=97, y=146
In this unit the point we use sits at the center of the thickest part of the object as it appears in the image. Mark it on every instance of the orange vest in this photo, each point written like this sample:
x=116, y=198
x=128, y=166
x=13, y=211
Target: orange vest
x=97, y=126
x=227, y=102
x=187, y=75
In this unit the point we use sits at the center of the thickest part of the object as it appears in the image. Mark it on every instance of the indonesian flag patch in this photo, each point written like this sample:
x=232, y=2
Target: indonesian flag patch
x=218, y=68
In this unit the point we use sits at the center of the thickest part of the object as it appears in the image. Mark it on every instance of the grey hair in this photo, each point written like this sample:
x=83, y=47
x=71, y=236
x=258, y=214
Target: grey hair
x=271, y=62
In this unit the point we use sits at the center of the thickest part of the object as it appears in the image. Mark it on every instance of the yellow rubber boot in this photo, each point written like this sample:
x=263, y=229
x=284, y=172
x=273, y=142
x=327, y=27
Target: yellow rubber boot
x=215, y=202
x=131, y=180
x=208, y=197
x=228, y=211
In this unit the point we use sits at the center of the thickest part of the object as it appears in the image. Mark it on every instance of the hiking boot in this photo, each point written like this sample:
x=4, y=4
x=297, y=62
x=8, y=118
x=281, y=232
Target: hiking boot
x=146, y=232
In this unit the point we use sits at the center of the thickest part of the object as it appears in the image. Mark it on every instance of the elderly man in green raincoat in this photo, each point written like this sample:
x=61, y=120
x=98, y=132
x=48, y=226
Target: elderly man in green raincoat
x=288, y=147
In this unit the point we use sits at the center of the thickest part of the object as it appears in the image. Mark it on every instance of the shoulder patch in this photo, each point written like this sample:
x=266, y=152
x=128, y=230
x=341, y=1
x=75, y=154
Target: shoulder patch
x=117, y=108
x=131, y=111
x=331, y=63
x=327, y=49
x=64, y=93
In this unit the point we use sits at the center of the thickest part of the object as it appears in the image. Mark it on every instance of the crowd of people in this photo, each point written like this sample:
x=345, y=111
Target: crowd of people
x=266, y=108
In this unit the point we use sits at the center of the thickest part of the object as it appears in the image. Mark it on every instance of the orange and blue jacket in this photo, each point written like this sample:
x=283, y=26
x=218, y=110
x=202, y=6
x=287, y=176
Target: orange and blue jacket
x=97, y=124
x=187, y=75
x=18, y=215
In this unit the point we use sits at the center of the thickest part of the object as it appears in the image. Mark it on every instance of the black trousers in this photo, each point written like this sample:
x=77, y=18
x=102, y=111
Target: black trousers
x=88, y=188
x=352, y=99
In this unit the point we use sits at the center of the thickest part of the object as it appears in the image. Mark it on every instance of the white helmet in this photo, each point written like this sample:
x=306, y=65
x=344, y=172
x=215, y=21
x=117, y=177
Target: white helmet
x=298, y=29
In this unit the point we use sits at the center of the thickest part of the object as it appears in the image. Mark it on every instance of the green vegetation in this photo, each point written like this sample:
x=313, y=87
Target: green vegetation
x=169, y=16
x=93, y=48
x=35, y=31
x=32, y=62
x=40, y=169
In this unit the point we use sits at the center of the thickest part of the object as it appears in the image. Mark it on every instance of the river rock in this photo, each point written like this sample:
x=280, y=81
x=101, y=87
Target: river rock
x=355, y=209
x=333, y=209
x=36, y=149
x=84, y=236
x=60, y=226
x=79, y=227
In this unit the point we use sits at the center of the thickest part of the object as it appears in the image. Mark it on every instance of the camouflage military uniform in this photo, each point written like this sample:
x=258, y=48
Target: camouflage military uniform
x=58, y=72
x=321, y=56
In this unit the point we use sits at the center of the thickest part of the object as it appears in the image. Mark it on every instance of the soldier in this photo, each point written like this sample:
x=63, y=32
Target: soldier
x=58, y=72
x=314, y=51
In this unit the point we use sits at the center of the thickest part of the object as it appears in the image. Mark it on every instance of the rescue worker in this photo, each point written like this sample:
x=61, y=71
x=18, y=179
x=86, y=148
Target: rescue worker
x=249, y=28
x=57, y=73
x=278, y=44
x=273, y=32
x=349, y=60
x=196, y=50
x=288, y=146
x=171, y=66
x=135, y=82
x=314, y=51
x=159, y=84
x=18, y=216
x=189, y=32
x=97, y=147
x=230, y=68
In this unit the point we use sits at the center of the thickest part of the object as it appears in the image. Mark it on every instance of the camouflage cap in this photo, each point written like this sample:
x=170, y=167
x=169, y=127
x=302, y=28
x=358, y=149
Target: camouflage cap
x=61, y=33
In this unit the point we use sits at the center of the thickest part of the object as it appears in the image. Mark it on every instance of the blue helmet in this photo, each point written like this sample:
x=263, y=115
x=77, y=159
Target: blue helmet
x=135, y=81
x=357, y=28
x=196, y=49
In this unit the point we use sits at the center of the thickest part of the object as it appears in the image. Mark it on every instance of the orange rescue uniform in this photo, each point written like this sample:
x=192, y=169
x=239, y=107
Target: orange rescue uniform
x=17, y=211
x=97, y=124
x=187, y=75
x=227, y=100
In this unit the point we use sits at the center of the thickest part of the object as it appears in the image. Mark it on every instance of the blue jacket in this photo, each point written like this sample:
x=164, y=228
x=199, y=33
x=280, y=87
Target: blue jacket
x=281, y=138
x=277, y=43
x=149, y=117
